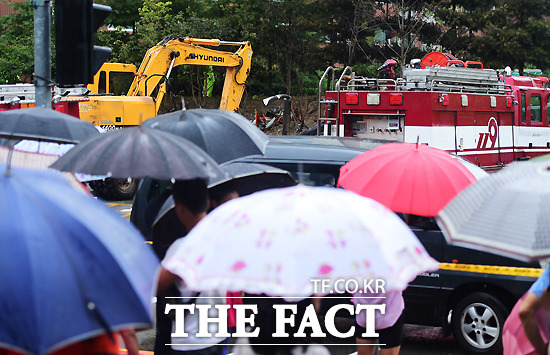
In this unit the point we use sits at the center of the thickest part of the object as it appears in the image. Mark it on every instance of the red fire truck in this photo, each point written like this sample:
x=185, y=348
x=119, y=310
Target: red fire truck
x=487, y=118
x=16, y=96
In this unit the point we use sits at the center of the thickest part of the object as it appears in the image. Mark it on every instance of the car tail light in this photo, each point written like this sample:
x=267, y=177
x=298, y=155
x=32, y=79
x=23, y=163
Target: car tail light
x=396, y=99
x=352, y=99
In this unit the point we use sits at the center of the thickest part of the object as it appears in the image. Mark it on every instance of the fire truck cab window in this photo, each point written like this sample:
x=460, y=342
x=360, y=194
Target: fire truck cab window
x=536, y=109
x=102, y=84
x=523, y=108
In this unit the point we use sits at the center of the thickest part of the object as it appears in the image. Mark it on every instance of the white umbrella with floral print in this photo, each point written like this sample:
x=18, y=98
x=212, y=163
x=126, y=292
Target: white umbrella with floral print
x=277, y=241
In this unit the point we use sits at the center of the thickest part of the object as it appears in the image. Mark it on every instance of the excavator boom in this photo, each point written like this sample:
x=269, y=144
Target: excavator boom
x=172, y=52
x=154, y=71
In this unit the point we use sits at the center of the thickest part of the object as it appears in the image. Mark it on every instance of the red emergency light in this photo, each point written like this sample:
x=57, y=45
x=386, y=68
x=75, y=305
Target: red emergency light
x=352, y=98
x=509, y=101
x=444, y=99
x=396, y=99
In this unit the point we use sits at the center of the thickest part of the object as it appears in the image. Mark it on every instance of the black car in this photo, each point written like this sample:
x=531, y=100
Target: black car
x=469, y=282
x=471, y=294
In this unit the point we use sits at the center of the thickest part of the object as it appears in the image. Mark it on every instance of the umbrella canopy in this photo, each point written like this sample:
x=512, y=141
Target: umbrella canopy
x=406, y=177
x=276, y=241
x=478, y=172
x=37, y=161
x=44, y=124
x=137, y=152
x=31, y=154
x=224, y=135
x=545, y=157
x=506, y=213
x=245, y=178
x=71, y=267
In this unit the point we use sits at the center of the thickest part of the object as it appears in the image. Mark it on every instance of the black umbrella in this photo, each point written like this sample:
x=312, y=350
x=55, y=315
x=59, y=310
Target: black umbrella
x=137, y=152
x=225, y=135
x=245, y=178
x=44, y=124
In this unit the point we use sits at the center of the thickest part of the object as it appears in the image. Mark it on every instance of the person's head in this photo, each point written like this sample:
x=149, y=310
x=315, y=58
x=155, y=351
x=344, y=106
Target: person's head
x=221, y=194
x=191, y=200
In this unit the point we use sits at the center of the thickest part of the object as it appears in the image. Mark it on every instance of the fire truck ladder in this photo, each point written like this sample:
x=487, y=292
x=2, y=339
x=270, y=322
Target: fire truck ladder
x=332, y=105
x=347, y=81
x=13, y=94
x=450, y=79
x=16, y=93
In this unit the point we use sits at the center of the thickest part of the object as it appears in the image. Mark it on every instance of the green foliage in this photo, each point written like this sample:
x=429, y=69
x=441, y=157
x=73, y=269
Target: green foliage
x=154, y=23
x=17, y=37
x=366, y=69
x=498, y=32
x=124, y=13
x=295, y=40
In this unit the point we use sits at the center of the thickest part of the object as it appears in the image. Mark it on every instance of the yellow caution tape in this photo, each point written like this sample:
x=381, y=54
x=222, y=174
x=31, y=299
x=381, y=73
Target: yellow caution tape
x=491, y=269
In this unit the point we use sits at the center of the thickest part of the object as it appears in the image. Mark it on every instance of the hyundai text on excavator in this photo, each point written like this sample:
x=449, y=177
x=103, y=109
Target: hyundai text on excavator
x=488, y=118
x=153, y=76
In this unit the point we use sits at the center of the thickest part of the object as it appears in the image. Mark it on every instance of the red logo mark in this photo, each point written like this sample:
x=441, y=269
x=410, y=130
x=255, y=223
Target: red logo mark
x=491, y=135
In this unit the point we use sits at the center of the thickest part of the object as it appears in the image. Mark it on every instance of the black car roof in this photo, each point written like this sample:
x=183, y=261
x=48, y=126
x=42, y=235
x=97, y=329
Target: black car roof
x=314, y=148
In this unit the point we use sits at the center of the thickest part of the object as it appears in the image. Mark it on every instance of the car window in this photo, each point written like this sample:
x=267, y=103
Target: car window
x=314, y=174
x=420, y=222
x=426, y=223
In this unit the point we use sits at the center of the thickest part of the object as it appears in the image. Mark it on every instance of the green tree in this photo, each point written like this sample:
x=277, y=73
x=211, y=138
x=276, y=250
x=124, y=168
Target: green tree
x=402, y=26
x=347, y=33
x=285, y=38
x=17, y=36
x=125, y=13
x=498, y=32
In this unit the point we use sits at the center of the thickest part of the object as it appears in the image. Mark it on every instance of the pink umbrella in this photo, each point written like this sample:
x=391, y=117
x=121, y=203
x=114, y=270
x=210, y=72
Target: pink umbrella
x=406, y=177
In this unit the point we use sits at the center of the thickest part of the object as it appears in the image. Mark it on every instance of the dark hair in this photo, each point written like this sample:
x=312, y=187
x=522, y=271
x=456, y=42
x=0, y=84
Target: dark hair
x=218, y=193
x=193, y=194
x=265, y=320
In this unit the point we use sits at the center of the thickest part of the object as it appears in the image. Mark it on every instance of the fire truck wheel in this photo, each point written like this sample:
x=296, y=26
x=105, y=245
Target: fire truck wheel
x=115, y=189
x=477, y=322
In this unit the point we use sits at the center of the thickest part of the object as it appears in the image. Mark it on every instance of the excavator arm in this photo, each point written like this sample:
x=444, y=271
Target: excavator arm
x=174, y=51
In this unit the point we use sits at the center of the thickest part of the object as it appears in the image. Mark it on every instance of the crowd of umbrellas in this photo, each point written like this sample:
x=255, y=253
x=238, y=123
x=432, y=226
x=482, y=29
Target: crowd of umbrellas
x=73, y=268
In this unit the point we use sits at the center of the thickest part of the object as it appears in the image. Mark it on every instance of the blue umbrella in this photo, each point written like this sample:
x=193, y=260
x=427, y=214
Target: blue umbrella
x=71, y=267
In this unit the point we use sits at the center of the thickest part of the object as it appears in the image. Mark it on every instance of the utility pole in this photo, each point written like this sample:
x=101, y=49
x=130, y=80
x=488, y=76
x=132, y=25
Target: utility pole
x=286, y=109
x=42, y=53
x=286, y=114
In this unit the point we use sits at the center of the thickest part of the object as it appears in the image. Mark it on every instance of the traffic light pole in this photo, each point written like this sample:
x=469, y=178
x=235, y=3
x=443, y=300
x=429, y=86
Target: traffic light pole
x=42, y=53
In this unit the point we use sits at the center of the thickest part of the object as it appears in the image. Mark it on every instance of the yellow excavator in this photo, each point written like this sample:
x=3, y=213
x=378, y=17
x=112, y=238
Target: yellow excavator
x=108, y=111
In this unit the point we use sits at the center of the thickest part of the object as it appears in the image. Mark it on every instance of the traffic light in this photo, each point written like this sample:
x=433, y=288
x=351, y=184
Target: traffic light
x=77, y=59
